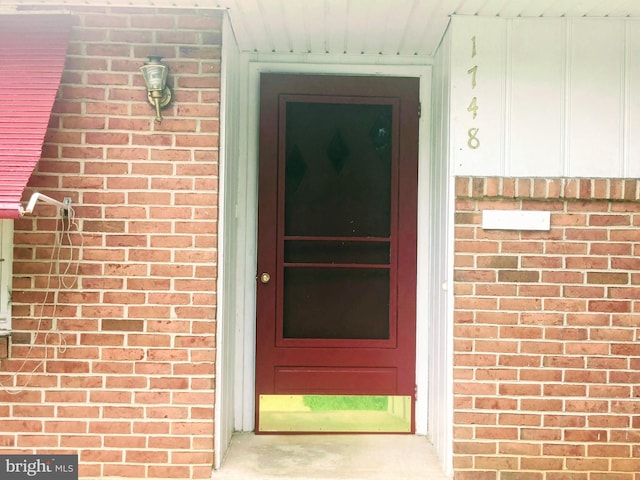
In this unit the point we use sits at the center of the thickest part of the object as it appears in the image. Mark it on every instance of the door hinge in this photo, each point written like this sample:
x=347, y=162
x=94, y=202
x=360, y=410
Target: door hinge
x=419, y=109
x=415, y=393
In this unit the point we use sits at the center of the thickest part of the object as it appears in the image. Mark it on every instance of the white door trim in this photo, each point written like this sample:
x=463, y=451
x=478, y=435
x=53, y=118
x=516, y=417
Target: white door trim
x=249, y=123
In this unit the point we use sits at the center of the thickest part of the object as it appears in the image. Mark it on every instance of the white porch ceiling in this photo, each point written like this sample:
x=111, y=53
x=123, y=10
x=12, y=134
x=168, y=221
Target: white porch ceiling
x=383, y=27
x=370, y=27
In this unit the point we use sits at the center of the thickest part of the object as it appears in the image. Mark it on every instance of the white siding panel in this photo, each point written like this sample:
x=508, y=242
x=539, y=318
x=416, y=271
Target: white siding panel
x=478, y=76
x=6, y=275
x=595, y=98
x=632, y=157
x=435, y=232
x=555, y=97
x=226, y=288
x=537, y=98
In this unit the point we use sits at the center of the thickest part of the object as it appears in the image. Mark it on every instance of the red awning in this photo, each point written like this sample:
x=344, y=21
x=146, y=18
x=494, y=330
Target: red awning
x=32, y=55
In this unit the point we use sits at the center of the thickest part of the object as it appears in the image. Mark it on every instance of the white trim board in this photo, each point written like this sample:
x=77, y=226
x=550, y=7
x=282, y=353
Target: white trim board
x=246, y=369
x=226, y=290
x=6, y=269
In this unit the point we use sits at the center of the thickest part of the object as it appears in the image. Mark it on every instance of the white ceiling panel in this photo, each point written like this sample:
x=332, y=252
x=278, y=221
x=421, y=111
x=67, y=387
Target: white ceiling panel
x=470, y=7
x=577, y=8
x=389, y=27
x=613, y=8
x=335, y=30
x=372, y=27
x=382, y=38
x=509, y=8
x=425, y=26
x=535, y=9
x=312, y=25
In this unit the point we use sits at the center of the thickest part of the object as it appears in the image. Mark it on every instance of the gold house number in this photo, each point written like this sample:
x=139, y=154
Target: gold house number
x=473, y=142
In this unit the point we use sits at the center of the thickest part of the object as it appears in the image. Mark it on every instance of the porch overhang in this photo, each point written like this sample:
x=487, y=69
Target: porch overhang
x=399, y=28
x=377, y=28
x=32, y=55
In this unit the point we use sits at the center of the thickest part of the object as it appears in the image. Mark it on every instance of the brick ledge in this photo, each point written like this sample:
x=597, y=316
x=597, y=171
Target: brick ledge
x=549, y=188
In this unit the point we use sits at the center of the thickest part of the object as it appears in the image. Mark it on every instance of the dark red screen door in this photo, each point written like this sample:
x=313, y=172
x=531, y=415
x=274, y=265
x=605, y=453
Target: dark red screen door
x=336, y=236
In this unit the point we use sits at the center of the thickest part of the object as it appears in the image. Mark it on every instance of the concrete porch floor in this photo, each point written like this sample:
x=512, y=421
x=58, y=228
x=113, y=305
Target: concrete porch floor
x=327, y=457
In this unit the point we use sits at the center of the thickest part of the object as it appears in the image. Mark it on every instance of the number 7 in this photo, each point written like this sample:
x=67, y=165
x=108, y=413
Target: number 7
x=472, y=71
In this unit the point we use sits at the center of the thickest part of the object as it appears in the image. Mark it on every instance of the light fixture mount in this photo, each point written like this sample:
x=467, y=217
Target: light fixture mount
x=155, y=75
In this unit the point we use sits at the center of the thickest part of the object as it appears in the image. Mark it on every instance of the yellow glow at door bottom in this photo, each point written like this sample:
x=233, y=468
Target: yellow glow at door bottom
x=335, y=413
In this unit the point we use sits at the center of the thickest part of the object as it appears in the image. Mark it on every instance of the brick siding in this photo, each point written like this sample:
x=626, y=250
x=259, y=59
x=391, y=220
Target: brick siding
x=547, y=332
x=132, y=389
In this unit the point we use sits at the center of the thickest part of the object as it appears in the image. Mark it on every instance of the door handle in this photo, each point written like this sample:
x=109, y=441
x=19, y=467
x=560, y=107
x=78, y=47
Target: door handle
x=265, y=278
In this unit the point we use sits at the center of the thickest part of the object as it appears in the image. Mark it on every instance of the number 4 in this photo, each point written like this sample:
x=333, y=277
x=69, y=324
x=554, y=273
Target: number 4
x=473, y=107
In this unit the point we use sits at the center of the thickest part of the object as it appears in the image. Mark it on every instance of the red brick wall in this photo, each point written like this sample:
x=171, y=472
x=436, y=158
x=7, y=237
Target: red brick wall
x=132, y=390
x=547, y=333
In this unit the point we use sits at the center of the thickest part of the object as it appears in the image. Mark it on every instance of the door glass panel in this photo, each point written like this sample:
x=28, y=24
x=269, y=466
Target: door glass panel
x=338, y=170
x=337, y=221
x=337, y=303
x=335, y=413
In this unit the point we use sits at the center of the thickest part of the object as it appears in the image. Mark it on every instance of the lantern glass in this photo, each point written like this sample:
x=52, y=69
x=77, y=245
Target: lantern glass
x=155, y=76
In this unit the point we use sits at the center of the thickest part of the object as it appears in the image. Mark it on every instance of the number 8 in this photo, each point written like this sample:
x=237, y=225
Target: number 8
x=474, y=141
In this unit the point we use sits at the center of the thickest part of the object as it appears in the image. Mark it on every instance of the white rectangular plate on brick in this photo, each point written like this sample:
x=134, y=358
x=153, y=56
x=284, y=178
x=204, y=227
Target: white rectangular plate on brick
x=516, y=220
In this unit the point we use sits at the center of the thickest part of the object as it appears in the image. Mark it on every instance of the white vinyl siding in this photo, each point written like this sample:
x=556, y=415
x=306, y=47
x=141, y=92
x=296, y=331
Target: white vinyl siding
x=435, y=280
x=6, y=263
x=556, y=97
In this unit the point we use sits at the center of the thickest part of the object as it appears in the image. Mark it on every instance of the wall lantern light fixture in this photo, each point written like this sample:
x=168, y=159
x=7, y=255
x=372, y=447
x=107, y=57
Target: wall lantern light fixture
x=158, y=92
